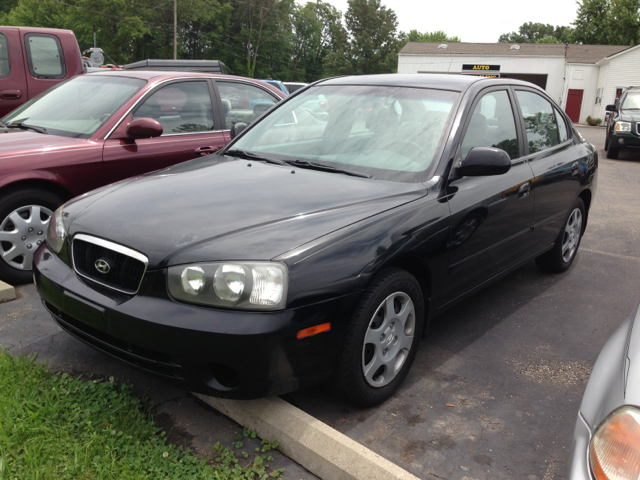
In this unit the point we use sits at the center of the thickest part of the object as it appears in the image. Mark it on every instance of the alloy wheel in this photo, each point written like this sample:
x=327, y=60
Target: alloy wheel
x=571, y=235
x=388, y=339
x=21, y=233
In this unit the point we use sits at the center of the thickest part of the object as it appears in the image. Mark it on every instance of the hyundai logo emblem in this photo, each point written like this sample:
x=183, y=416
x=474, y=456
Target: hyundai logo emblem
x=102, y=266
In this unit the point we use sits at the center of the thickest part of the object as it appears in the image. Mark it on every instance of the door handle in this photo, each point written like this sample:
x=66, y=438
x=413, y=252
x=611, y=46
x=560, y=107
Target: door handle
x=202, y=151
x=524, y=189
x=10, y=94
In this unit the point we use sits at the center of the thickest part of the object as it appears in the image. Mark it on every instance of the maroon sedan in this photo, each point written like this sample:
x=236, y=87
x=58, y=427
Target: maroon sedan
x=99, y=128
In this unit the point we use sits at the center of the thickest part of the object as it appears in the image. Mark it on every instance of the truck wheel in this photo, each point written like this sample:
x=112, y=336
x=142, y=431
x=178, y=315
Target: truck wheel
x=612, y=152
x=381, y=340
x=561, y=256
x=24, y=217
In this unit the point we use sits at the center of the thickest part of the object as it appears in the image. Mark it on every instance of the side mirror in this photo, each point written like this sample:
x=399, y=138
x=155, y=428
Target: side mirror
x=484, y=161
x=144, y=128
x=237, y=129
x=610, y=108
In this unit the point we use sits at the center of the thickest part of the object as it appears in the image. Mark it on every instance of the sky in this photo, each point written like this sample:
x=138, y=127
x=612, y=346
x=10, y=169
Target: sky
x=474, y=20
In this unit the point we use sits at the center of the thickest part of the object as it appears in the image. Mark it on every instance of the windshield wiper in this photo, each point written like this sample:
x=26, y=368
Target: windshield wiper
x=325, y=168
x=252, y=156
x=24, y=126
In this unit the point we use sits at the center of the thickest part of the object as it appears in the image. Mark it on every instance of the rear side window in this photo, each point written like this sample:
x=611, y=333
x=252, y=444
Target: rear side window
x=45, y=56
x=243, y=103
x=562, y=127
x=5, y=66
x=539, y=120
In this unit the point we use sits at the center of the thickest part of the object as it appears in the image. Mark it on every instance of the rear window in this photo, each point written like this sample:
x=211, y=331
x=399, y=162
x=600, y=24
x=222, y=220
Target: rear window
x=5, y=66
x=45, y=56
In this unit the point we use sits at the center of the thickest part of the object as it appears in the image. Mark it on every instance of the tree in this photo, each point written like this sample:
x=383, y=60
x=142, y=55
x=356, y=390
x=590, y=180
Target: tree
x=537, y=33
x=608, y=22
x=624, y=22
x=437, y=36
x=372, y=45
x=591, y=22
x=318, y=31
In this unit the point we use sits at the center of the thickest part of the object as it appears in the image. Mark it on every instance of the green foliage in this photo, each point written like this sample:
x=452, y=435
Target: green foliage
x=537, y=33
x=608, y=22
x=53, y=426
x=372, y=45
x=594, y=122
x=437, y=36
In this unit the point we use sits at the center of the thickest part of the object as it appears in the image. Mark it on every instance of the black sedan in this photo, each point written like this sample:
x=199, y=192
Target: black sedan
x=318, y=245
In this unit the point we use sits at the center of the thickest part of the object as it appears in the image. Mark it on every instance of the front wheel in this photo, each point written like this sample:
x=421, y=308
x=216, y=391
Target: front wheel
x=382, y=339
x=24, y=217
x=561, y=256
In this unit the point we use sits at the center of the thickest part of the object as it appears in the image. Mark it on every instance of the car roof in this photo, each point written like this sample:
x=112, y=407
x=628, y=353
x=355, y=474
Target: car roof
x=157, y=76
x=421, y=80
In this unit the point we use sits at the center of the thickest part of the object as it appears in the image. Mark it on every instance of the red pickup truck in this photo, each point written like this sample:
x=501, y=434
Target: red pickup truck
x=33, y=60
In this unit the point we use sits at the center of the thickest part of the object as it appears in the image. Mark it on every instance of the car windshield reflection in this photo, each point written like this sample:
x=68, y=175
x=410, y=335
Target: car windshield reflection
x=79, y=107
x=385, y=132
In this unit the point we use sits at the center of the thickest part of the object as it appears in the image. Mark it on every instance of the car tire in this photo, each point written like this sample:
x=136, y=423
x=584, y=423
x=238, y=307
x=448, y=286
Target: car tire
x=612, y=153
x=381, y=340
x=24, y=216
x=561, y=256
x=606, y=142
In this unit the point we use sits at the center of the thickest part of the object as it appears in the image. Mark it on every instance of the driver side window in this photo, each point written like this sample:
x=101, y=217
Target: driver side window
x=180, y=108
x=492, y=125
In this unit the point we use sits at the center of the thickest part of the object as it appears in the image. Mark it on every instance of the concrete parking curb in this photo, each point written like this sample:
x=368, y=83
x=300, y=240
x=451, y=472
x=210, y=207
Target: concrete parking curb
x=319, y=448
x=7, y=292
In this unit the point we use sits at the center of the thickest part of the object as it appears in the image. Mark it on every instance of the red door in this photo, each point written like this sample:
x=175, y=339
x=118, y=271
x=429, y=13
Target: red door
x=574, y=104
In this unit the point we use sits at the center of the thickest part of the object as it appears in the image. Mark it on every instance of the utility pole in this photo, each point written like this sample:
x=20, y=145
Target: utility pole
x=175, y=29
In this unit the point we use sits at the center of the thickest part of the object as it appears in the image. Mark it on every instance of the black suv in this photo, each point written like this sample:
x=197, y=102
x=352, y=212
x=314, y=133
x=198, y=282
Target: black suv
x=623, y=126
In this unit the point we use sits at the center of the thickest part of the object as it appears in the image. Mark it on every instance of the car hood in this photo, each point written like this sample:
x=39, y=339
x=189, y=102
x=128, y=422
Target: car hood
x=220, y=209
x=14, y=142
x=629, y=116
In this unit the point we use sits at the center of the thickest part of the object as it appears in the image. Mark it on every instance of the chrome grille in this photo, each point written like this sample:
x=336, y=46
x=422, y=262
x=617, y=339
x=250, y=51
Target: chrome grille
x=124, y=267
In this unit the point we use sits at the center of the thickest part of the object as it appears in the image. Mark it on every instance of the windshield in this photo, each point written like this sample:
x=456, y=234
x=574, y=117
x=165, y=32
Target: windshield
x=389, y=133
x=631, y=102
x=79, y=107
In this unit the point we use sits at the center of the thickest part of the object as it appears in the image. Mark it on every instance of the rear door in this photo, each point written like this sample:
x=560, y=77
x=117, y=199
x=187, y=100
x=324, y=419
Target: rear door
x=45, y=62
x=554, y=161
x=242, y=101
x=490, y=215
x=191, y=123
x=13, y=82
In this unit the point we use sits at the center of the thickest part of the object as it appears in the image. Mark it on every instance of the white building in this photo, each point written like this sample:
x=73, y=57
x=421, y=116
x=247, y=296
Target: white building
x=582, y=79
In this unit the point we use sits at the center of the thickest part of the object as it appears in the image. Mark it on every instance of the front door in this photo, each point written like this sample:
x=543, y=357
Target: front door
x=190, y=129
x=574, y=105
x=490, y=215
x=13, y=83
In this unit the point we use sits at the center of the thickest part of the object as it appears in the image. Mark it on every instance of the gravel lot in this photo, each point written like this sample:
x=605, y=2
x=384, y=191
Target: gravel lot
x=512, y=361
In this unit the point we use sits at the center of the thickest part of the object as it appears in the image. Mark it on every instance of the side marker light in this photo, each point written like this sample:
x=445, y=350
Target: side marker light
x=308, y=332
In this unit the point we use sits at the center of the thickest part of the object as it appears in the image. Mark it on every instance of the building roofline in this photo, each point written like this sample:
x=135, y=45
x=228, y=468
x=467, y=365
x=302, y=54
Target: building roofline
x=606, y=59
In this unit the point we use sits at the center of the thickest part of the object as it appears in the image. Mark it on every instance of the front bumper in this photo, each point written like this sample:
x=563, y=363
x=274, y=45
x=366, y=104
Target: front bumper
x=225, y=353
x=626, y=139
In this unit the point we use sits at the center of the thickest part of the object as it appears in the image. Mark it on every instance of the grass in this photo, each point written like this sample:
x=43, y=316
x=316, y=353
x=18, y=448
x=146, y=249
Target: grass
x=54, y=426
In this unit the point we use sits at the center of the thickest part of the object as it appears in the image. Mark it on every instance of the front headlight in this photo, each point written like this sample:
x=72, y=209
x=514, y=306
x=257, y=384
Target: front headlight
x=614, y=450
x=56, y=231
x=239, y=285
x=622, y=127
